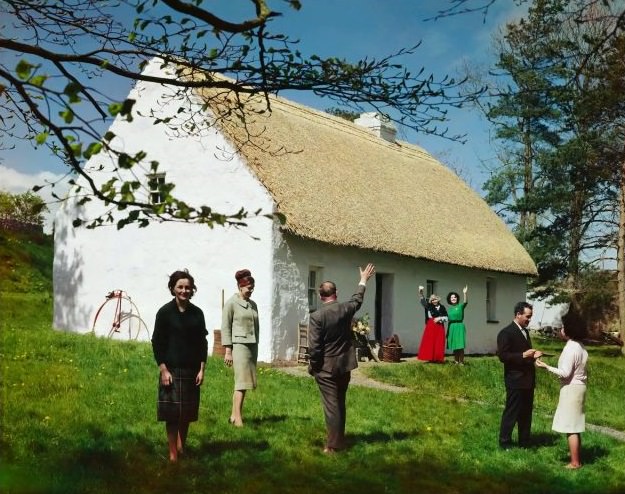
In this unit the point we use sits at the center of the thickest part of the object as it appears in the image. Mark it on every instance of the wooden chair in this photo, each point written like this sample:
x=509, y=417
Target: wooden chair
x=302, y=335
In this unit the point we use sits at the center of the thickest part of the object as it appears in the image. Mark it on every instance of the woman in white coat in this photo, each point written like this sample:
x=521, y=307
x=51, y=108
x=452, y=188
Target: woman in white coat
x=569, y=417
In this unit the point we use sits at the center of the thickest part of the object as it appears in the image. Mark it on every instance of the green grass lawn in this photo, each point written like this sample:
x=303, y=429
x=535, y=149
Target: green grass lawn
x=78, y=415
x=25, y=262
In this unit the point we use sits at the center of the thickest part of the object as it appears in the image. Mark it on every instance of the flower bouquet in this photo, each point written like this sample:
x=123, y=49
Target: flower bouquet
x=360, y=326
x=360, y=331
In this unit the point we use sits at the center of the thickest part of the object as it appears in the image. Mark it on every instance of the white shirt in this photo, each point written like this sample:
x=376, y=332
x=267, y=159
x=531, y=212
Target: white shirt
x=571, y=364
x=523, y=330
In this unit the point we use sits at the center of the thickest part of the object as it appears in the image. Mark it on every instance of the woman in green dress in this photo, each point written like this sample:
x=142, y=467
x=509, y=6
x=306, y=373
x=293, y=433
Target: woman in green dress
x=456, y=331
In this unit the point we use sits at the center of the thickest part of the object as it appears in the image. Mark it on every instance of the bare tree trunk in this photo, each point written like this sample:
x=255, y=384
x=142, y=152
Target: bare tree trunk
x=620, y=263
x=575, y=240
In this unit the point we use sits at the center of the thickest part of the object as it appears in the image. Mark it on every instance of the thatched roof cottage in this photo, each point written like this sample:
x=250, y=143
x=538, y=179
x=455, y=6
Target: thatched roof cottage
x=351, y=194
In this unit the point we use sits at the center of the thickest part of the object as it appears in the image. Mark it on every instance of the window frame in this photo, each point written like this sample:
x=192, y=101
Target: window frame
x=155, y=181
x=430, y=288
x=312, y=288
x=491, y=300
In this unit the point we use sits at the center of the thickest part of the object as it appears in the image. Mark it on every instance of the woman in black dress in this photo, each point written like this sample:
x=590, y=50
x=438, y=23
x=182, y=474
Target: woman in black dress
x=180, y=349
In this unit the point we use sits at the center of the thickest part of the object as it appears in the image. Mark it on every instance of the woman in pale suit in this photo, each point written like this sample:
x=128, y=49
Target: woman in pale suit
x=239, y=334
x=569, y=417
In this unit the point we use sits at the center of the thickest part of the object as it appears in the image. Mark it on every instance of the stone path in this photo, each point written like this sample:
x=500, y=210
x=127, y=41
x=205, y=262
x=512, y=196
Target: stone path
x=359, y=379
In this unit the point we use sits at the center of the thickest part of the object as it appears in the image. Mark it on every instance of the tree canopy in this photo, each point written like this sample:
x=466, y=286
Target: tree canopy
x=559, y=115
x=26, y=208
x=52, y=92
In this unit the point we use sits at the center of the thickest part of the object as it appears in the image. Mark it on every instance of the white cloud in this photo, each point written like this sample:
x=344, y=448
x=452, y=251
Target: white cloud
x=16, y=182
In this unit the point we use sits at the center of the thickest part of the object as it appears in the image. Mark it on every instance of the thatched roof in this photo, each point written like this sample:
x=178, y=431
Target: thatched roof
x=338, y=183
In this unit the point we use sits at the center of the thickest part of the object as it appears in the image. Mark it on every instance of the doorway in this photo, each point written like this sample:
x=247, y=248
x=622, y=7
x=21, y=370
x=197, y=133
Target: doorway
x=383, y=324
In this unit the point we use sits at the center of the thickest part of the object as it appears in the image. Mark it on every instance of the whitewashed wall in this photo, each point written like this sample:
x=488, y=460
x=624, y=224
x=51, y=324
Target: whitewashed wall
x=340, y=265
x=90, y=263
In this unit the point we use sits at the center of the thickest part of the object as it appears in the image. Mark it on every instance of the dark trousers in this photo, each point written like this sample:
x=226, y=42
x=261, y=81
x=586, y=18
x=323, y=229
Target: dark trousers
x=333, y=391
x=518, y=410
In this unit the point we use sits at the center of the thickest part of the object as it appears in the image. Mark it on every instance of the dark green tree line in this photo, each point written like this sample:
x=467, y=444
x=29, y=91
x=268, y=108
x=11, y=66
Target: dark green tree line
x=560, y=122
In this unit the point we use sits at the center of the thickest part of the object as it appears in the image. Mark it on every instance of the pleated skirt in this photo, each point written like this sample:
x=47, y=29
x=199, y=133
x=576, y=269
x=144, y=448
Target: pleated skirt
x=570, y=417
x=244, y=359
x=180, y=401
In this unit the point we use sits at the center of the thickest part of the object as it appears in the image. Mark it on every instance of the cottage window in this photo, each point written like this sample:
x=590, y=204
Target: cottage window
x=430, y=288
x=314, y=279
x=491, y=300
x=155, y=184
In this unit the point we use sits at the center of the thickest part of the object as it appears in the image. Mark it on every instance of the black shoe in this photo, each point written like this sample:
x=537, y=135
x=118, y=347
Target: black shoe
x=506, y=446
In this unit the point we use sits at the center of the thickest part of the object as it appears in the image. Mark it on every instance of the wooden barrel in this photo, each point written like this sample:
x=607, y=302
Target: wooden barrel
x=218, y=349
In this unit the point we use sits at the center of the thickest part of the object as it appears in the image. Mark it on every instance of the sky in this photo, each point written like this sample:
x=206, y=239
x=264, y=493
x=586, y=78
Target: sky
x=353, y=29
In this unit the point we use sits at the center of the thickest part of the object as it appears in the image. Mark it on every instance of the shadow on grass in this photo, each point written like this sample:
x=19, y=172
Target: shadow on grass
x=378, y=437
x=217, y=448
x=593, y=454
x=271, y=419
x=544, y=440
x=131, y=467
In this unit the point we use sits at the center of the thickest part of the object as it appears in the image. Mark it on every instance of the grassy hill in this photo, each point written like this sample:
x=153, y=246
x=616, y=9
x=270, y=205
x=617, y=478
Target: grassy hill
x=25, y=262
x=77, y=415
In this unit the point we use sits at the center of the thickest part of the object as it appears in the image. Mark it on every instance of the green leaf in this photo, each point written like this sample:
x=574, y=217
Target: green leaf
x=108, y=186
x=41, y=138
x=38, y=80
x=125, y=161
x=24, y=69
x=125, y=108
x=108, y=137
x=114, y=109
x=72, y=89
x=67, y=116
x=93, y=148
x=76, y=149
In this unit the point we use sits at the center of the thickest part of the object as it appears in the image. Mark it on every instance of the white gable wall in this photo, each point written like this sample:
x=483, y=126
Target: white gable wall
x=90, y=263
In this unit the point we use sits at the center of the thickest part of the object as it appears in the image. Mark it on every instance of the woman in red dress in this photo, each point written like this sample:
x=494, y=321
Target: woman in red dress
x=432, y=347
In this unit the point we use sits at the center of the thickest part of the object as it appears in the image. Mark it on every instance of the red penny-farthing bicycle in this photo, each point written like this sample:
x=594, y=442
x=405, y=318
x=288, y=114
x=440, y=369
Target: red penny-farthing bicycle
x=118, y=317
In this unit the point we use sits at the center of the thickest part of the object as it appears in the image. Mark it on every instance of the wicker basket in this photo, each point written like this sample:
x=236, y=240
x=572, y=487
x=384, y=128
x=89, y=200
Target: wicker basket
x=391, y=353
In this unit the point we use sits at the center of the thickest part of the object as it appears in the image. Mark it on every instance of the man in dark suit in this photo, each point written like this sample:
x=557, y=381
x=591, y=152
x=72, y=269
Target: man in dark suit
x=332, y=355
x=514, y=349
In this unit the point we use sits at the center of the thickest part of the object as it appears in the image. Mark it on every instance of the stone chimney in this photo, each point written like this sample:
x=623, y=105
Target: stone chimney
x=379, y=124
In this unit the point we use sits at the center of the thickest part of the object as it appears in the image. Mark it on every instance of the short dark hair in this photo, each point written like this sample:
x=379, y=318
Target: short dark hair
x=520, y=307
x=181, y=275
x=449, y=297
x=574, y=325
x=327, y=289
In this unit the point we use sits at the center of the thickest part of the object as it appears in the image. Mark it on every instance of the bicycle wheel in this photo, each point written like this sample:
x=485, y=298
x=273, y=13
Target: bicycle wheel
x=118, y=318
